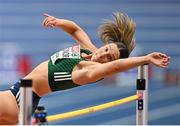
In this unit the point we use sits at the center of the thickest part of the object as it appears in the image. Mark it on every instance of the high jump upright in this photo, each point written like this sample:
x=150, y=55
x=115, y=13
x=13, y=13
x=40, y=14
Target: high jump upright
x=142, y=90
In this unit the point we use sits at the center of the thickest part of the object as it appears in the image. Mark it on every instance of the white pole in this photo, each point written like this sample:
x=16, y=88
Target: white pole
x=142, y=90
x=25, y=102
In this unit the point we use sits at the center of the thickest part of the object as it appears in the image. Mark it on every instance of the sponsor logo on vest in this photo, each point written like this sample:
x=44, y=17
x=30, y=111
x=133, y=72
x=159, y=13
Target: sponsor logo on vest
x=72, y=52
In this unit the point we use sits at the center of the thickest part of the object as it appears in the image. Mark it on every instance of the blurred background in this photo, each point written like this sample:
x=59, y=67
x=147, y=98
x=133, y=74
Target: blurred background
x=24, y=43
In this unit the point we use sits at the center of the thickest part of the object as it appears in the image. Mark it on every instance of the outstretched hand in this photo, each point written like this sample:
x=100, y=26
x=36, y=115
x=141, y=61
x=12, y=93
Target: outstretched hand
x=50, y=21
x=159, y=59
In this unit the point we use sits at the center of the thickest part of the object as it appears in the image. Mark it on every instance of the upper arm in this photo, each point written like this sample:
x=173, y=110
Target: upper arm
x=92, y=73
x=100, y=71
x=97, y=71
x=83, y=39
x=81, y=73
x=120, y=65
x=77, y=33
x=80, y=77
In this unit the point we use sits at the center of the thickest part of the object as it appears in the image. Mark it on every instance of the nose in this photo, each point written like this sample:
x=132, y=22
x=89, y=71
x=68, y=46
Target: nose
x=103, y=54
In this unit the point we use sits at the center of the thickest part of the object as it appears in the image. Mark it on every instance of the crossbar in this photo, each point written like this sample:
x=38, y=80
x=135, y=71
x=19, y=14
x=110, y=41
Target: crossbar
x=92, y=109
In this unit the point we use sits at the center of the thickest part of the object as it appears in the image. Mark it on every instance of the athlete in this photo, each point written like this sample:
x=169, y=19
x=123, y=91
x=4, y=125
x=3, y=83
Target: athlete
x=80, y=64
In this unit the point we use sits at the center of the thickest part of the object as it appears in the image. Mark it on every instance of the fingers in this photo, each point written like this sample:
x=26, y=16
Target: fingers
x=169, y=58
x=166, y=59
x=165, y=65
x=46, y=15
x=165, y=62
x=51, y=24
x=163, y=55
x=160, y=59
x=49, y=21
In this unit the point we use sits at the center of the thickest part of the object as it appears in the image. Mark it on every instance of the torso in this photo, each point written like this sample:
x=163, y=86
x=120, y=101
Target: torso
x=40, y=77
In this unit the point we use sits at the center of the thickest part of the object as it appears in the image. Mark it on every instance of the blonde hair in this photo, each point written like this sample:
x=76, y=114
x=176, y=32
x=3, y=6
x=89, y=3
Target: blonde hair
x=119, y=30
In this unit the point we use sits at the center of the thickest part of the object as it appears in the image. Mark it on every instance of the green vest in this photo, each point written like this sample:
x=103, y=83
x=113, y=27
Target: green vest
x=60, y=70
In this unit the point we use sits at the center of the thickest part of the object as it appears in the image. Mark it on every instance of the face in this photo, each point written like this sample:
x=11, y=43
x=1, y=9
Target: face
x=106, y=53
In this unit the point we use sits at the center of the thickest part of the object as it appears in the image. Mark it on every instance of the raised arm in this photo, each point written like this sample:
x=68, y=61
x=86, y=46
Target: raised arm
x=98, y=71
x=72, y=28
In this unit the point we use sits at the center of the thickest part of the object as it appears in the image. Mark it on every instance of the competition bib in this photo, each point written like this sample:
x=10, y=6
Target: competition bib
x=71, y=52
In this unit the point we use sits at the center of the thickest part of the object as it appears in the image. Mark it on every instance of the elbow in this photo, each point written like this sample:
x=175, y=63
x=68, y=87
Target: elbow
x=74, y=29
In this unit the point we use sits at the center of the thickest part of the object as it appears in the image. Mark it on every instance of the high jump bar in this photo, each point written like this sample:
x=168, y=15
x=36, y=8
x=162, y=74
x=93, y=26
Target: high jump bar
x=92, y=109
